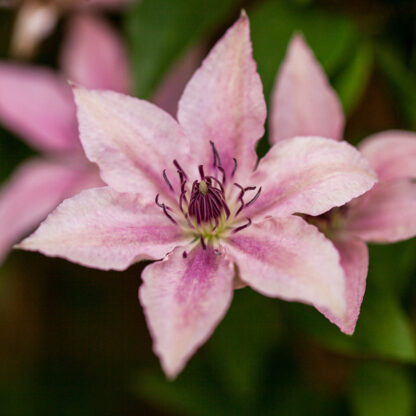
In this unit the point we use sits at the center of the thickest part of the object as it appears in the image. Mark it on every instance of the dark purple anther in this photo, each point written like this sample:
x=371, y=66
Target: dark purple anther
x=207, y=200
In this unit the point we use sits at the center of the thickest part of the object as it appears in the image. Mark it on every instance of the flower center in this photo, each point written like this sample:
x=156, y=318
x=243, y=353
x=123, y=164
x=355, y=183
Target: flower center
x=203, y=207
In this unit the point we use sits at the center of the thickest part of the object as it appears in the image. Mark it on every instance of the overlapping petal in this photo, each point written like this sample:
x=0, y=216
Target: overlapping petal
x=392, y=154
x=354, y=261
x=309, y=175
x=303, y=102
x=34, y=190
x=387, y=213
x=38, y=105
x=94, y=56
x=183, y=300
x=131, y=140
x=223, y=101
x=290, y=259
x=103, y=229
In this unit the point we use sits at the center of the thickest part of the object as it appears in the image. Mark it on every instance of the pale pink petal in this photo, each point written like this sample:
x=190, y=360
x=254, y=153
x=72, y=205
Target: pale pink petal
x=303, y=102
x=392, y=154
x=31, y=194
x=184, y=299
x=354, y=261
x=104, y=229
x=309, y=175
x=38, y=105
x=131, y=140
x=290, y=259
x=170, y=89
x=94, y=56
x=223, y=101
x=387, y=213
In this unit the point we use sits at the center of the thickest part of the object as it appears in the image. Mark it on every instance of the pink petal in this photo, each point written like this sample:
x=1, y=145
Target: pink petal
x=387, y=213
x=303, y=102
x=33, y=191
x=309, y=175
x=184, y=299
x=94, y=55
x=104, y=229
x=290, y=259
x=392, y=154
x=223, y=101
x=354, y=261
x=37, y=104
x=131, y=140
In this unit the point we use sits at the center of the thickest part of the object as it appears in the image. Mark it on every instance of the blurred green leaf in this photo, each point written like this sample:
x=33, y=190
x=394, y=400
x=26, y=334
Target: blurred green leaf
x=402, y=80
x=350, y=83
x=160, y=31
x=383, y=330
x=240, y=344
x=382, y=389
x=195, y=392
x=331, y=36
x=393, y=266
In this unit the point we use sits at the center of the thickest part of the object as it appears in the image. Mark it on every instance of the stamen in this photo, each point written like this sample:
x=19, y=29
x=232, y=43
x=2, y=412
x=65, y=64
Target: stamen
x=236, y=230
x=184, y=254
x=165, y=209
x=252, y=201
x=204, y=246
x=234, y=168
x=217, y=160
x=180, y=170
x=201, y=171
x=165, y=177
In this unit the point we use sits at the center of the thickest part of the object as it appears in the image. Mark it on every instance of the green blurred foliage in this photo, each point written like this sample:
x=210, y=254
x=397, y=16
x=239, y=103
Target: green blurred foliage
x=382, y=389
x=160, y=33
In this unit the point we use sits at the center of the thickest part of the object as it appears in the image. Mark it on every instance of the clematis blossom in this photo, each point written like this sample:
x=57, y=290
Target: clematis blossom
x=37, y=104
x=36, y=19
x=304, y=103
x=188, y=194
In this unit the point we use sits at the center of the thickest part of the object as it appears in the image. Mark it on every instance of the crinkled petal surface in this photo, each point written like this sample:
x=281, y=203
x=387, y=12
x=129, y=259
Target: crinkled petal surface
x=34, y=190
x=387, y=213
x=309, y=175
x=103, y=229
x=131, y=140
x=392, y=154
x=290, y=259
x=303, y=102
x=94, y=55
x=38, y=105
x=184, y=299
x=354, y=261
x=224, y=102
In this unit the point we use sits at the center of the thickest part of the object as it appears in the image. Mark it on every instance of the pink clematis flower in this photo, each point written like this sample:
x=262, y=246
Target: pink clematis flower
x=38, y=104
x=187, y=193
x=304, y=103
x=36, y=19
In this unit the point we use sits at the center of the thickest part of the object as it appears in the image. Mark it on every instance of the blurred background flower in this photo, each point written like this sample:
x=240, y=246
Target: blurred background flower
x=73, y=341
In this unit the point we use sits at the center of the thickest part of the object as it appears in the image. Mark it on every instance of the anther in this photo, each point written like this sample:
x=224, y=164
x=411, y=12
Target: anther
x=234, y=168
x=252, y=201
x=236, y=230
x=165, y=177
